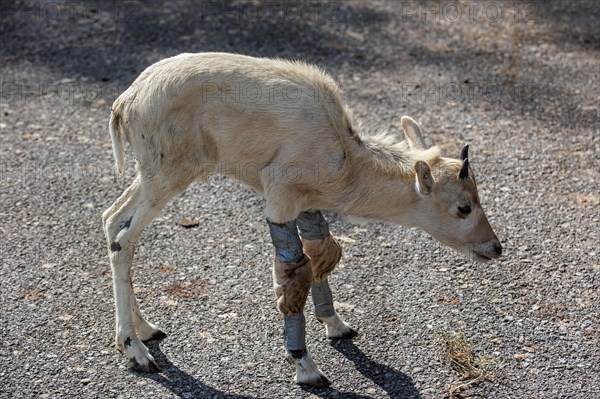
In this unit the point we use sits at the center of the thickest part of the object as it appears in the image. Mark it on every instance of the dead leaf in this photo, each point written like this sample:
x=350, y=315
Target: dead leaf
x=189, y=223
x=445, y=299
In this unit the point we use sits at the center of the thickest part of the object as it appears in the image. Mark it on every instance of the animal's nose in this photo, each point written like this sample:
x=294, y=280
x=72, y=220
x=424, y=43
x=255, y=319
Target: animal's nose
x=498, y=248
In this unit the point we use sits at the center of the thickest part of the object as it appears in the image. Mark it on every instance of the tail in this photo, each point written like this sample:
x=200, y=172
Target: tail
x=116, y=137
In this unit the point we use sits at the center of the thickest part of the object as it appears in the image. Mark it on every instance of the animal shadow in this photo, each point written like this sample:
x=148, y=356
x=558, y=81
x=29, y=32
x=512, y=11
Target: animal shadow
x=179, y=382
x=395, y=383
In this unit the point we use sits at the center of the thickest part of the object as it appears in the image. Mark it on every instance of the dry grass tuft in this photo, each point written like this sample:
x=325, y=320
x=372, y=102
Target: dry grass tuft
x=458, y=353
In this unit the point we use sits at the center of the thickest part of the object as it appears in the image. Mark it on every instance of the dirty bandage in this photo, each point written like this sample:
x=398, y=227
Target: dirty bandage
x=322, y=299
x=294, y=331
x=312, y=225
x=286, y=241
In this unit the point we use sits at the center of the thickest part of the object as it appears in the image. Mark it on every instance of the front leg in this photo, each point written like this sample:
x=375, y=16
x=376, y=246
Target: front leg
x=325, y=253
x=292, y=276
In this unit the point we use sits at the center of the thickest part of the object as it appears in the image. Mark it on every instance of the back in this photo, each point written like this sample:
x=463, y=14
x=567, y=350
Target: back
x=235, y=110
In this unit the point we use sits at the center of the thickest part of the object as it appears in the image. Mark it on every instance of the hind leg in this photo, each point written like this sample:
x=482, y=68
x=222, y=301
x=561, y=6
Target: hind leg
x=123, y=223
x=325, y=253
x=145, y=330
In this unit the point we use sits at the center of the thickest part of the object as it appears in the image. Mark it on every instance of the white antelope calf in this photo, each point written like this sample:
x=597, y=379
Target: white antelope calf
x=282, y=128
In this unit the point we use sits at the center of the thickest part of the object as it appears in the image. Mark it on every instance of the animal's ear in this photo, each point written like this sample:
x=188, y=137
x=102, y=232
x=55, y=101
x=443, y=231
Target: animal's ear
x=424, y=179
x=412, y=133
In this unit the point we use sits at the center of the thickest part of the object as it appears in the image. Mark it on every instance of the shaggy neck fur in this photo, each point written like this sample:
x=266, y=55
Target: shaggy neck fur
x=395, y=157
x=382, y=178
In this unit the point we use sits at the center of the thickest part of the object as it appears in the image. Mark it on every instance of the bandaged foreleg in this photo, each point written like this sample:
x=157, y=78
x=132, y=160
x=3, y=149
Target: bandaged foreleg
x=294, y=333
x=325, y=253
x=288, y=246
x=312, y=225
x=291, y=282
x=322, y=299
x=320, y=246
x=292, y=277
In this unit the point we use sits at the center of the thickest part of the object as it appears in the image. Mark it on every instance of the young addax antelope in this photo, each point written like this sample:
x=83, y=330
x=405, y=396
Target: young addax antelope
x=281, y=128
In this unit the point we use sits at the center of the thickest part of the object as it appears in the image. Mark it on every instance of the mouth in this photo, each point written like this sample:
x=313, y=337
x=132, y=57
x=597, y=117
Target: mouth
x=481, y=257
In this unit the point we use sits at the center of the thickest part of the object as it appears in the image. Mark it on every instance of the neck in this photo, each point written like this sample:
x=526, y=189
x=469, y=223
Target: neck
x=379, y=193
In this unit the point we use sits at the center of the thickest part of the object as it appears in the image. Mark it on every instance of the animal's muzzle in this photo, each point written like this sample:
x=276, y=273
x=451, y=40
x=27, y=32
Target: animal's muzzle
x=487, y=251
x=498, y=248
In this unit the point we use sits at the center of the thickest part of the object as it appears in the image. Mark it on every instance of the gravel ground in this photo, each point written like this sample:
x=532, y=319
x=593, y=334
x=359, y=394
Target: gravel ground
x=517, y=81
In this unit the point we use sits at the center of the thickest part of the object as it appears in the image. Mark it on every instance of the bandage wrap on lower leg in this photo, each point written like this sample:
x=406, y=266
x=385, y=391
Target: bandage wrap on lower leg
x=294, y=331
x=324, y=253
x=292, y=277
x=286, y=241
x=312, y=225
x=322, y=299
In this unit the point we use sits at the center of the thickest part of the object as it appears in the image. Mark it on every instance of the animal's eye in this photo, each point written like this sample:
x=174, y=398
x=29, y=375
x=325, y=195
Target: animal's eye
x=463, y=211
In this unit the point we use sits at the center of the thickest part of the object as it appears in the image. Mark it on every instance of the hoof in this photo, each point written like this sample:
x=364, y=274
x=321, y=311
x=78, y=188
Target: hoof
x=307, y=372
x=337, y=328
x=151, y=367
x=348, y=334
x=317, y=382
x=156, y=336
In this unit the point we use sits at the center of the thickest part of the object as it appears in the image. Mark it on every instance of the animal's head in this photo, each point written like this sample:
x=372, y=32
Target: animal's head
x=449, y=208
